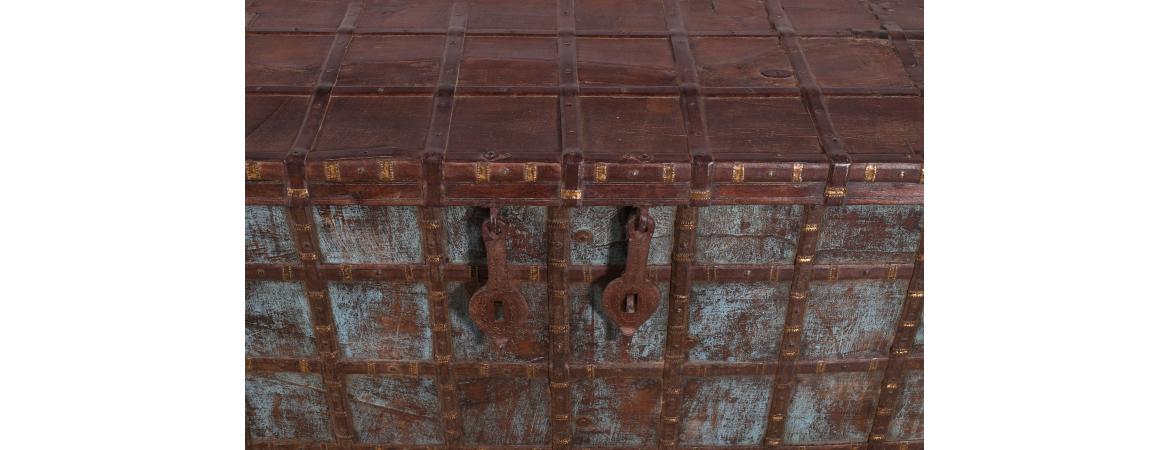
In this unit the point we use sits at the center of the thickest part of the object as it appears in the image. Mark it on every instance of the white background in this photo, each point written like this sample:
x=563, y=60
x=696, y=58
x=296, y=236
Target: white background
x=122, y=306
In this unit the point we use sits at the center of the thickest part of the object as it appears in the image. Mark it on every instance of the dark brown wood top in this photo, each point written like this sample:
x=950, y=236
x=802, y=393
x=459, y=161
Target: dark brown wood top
x=586, y=101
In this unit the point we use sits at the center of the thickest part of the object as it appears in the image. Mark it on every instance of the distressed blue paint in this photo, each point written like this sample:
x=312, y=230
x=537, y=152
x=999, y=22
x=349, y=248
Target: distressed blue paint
x=725, y=410
x=276, y=317
x=851, y=318
x=286, y=406
x=382, y=320
x=530, y=343
x=368, y=234
x=523, y=226
x=267, y=237
x=504, y=411
x=832, y=408
x=907, y=421
x=391, y=410
x=747, y=234
x=607, y=225
x=870, y=234
x=737, y=321
x=919, y=336
x=616, y=411
x=595, y=338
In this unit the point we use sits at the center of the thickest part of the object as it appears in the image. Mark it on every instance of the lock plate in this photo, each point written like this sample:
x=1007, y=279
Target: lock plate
x=631, y=299
x=498, y=308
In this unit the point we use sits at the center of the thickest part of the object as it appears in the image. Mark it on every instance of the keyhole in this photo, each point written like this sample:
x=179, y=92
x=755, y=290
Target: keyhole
x=498, y=309
x=631, y=304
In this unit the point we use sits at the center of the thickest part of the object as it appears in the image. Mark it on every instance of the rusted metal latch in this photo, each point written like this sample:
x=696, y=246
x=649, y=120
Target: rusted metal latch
x=631, y=299
x=498, y=309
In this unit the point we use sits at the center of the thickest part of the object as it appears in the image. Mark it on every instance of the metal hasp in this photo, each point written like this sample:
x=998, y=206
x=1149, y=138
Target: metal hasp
x=631, y=299
x=498, y=309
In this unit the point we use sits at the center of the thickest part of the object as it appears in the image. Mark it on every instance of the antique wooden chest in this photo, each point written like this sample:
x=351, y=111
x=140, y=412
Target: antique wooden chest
x=584, y=223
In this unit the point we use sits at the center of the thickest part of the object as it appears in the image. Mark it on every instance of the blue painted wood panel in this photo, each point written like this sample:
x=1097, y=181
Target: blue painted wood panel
x=267, y=236
x=725, y=410
x=870, y=234
x=524, y=228
x=907, y=421
x=382, y=320
x=276, y=320
x=851, y=318
x=395, y=410
x=832, y=408
x=737, y=321
x=605, y=228
x=286, y=406
x=504, y=411
x=747, y=234
x=616, y=411
x=530, y=343
x=595, y=338
x=368, y=234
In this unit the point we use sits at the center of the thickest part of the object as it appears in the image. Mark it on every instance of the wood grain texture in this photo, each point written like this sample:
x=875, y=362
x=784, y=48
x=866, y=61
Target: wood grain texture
x=616, y=411
x=907, y=421
x=724, y=411
x=504, y=411
x=277, y=321
x=368, y=234
x=286, y=406
x=380, y=320
x=851, y=319
x=870, y=233
x=395, y=411
x=736, y=322
x=830, y=408
x=267, y=238
x=747, y=234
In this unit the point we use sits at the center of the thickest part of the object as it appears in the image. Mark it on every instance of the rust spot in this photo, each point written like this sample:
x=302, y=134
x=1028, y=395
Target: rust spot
x=584, y=421
x=583, y=236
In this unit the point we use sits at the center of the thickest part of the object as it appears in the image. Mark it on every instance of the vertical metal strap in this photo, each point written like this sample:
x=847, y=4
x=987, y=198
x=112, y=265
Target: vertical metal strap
x=907, y=327
x=814, y=102
x=682, y=256
x=305, y=233
x=442, y=343
x=569, y=103
x=692, y=104
x=561, y=411
x=899, y=42
x=785, y=381
x=439, y=130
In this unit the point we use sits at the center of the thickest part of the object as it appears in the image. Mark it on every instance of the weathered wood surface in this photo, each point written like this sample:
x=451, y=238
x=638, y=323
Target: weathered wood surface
x=378, y=133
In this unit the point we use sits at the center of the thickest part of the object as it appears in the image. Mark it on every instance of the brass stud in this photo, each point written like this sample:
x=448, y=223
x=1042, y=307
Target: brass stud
x=483, y=370
x=332, y=171
x=386, y=170
x=308, y=256
x=668, y=173
x=873, y=364
x=792, y=329
x=530, y=172
x=916, y=294
x=533, y=273
x=251, y=170
x=804, y=259
x=483, y=173
x=820, y=367
x=700, y=195
x=892, y=272
x=346, y=272
x=877, y=438
x=571, y=194
x=248, y=364
x=870, y=172
x=774, y=274
x=286, y=273
x=370, y=367
x=797, y=172
x=777, y=417
x=414, y=368
x=835, y=192
x=589, y=371
x=303, y=365
x=670, y=419
x=600, y=172
x=901, y=351
x=737, y=173
x=298, y=193
x=909, y=324
x=833, y=273
x=811, y=227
